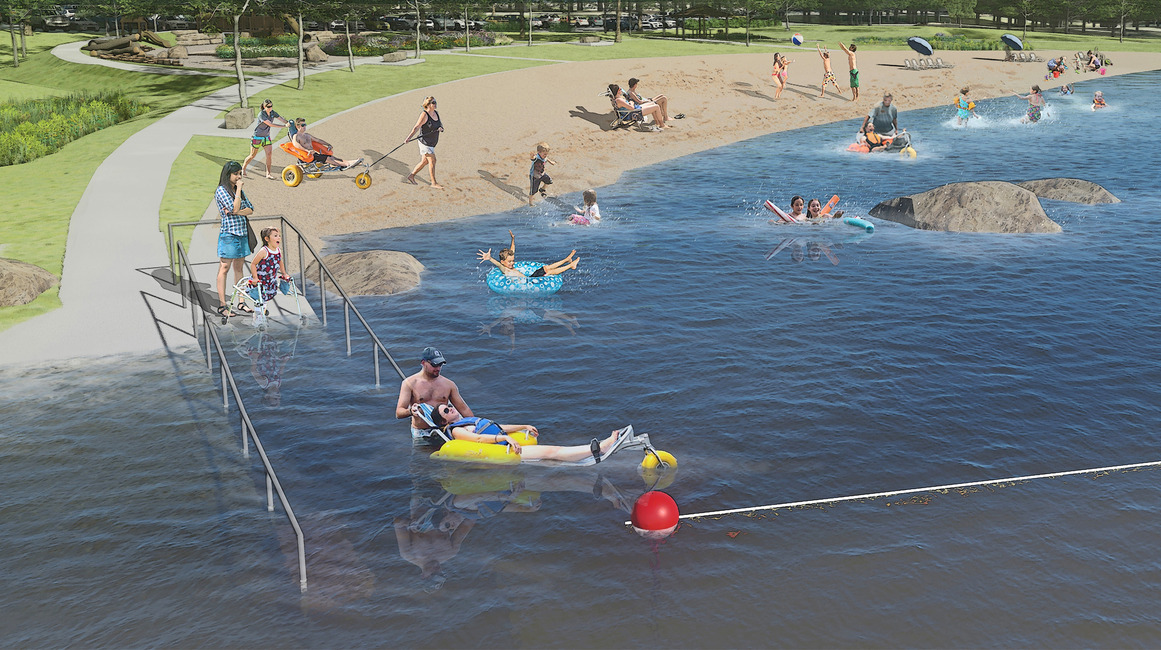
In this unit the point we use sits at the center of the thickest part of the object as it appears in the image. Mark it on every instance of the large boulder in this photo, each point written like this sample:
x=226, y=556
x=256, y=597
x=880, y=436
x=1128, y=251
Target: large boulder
x=314, y=54
x=240, y=118
x=984, y=206
x=1070, y=189
x=21, y=282
x=371, y=273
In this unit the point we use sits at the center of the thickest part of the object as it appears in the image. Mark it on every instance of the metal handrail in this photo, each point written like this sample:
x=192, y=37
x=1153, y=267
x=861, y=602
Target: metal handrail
x=227, y=377
x=348, y=306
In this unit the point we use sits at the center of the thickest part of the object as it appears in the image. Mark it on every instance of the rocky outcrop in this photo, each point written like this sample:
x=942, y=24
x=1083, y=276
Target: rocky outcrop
x=21, y=282
x=985, y=206
x=1070, y=189
x=371, y=273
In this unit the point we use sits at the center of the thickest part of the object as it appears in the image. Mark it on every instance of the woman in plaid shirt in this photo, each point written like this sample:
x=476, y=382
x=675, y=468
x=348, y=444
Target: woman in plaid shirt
x=232, y=244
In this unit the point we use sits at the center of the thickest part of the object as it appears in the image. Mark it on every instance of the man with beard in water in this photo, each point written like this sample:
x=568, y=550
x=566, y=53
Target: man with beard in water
x=428, y=387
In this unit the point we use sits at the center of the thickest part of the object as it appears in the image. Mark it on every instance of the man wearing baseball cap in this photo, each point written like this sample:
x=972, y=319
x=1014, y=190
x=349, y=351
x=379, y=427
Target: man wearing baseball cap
x=428, y=386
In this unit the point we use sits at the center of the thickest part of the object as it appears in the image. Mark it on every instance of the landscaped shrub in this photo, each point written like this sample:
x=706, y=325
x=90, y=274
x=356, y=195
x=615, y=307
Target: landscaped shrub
x=360, y=45
x=34, y=128
x=938, y=42
x=255, y=51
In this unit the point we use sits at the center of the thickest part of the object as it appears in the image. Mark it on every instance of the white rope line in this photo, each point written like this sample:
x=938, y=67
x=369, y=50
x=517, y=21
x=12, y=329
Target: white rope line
x=936, y=488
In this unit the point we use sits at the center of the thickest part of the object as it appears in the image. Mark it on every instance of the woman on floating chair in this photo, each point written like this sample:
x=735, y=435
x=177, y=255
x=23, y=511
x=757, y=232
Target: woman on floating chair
x=624, y=107
x=322, y=150
x=449, y=420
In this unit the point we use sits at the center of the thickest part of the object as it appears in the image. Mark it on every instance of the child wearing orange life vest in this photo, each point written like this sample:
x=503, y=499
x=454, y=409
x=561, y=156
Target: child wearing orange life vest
x=1098, y=101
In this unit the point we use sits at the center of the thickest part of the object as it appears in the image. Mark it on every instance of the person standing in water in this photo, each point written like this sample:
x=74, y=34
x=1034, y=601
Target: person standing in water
x=427, y=386
x=1035, y=105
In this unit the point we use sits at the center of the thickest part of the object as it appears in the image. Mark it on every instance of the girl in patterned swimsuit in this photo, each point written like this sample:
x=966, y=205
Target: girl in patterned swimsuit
x=267, y=267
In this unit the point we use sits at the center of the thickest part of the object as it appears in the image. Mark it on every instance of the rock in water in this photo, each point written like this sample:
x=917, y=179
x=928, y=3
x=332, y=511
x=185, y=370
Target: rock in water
x=21, y=282
x=984, y=206
x=1070, y=189
x=370, y=273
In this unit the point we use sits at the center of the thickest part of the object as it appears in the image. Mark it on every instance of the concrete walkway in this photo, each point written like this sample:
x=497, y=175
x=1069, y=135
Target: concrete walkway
x=115, y=287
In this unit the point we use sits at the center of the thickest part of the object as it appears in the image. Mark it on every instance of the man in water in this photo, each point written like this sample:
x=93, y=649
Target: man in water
x=428, y=387
x=884, y=116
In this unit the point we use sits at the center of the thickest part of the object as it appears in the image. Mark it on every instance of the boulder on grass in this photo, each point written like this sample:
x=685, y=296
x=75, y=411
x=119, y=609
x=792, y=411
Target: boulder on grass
x=370, y=273
x=21, y=282
x=984, y=206
x=1070, y=189
x=314, y=54
x=240, y=118
x=395, y=57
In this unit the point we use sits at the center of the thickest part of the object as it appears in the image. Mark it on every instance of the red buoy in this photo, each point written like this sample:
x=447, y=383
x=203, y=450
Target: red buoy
x=655, y=515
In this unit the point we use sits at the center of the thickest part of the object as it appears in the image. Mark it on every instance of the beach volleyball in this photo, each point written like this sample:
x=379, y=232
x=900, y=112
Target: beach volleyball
x=796, y=39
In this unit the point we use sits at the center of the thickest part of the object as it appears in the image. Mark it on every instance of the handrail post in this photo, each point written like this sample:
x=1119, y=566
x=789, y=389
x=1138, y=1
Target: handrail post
x=222, y=372
x=375, y=353
x=269, y=493
x=347, y=324
x=245, y=438
x=301, y=266
x=322, y=295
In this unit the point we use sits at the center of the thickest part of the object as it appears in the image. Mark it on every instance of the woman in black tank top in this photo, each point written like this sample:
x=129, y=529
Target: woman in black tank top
x=429, y=127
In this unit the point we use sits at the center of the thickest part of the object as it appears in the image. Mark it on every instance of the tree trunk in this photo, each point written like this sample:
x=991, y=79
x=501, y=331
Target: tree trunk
x=418, y=24
x=23, y=45
x=12, y=32
x=617, y=38
x=467, y=32
x=350, y=52
x=238, y=59
x=301, y=55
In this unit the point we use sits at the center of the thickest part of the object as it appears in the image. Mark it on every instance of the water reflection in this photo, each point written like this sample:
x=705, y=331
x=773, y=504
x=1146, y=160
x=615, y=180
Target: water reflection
x=815, y=246
x=508, y=311
x=444, y=510
x=268, y=357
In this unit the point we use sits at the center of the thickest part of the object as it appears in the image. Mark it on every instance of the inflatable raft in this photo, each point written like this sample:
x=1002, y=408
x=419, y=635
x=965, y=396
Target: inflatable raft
x=504, y=285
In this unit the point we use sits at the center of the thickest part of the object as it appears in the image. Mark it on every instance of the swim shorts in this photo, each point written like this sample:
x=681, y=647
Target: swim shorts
x=538, y=273
x=258, y=143
x=828, y=77
x=854, y=78
x=536, y=182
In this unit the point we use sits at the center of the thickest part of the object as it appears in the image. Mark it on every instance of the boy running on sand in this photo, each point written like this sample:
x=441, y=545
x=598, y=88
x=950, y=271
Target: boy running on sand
x=536, y=175
x=827, y=75
x=854, y=69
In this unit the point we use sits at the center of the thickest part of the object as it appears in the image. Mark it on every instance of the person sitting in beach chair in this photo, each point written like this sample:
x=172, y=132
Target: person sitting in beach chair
x=312, y=150
x=623, y=116
x=623, y=106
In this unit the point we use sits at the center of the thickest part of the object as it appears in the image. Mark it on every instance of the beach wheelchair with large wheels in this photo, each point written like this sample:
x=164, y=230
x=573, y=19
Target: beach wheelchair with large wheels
x=307, y=166
x=251, y=298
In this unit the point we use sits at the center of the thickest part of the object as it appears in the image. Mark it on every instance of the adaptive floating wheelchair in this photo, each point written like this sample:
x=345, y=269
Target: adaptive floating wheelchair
x=309, y=167
x=256, y=297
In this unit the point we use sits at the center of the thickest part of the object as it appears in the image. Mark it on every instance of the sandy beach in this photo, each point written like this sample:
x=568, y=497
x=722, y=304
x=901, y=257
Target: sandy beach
x=494, y=122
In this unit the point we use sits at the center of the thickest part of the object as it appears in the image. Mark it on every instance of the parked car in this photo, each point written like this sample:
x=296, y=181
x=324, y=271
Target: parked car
x=82, y=24
x=68, y=11
x=597, y=21
x=180, y=22
x=56, y=23
x=398, y=23
x=339, y=25
x=580, y=21
x=537, y=23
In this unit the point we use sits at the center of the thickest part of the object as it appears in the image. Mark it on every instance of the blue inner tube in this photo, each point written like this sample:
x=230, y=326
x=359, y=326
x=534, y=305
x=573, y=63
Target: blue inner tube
x=506, y=286
x=920, y=45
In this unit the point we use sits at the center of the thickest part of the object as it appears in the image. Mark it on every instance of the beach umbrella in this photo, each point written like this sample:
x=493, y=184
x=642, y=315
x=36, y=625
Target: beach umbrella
x=920, y=45
x=1011, y=41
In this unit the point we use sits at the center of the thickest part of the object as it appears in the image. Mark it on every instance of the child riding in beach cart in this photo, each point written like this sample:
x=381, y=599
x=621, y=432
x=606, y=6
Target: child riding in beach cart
x=316, y=157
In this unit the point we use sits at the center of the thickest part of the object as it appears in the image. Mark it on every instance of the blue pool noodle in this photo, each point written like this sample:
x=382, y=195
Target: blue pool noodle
x=860, y=223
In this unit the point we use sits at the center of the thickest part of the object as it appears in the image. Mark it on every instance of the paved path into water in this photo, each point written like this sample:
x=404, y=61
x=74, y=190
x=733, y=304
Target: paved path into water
x=115, y=291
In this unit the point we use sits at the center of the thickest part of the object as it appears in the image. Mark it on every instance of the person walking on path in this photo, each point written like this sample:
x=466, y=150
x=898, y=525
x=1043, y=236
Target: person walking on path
x=267, y=119
x=428, y=386
x=233, y=246
x=854, y=69
x=429, y=126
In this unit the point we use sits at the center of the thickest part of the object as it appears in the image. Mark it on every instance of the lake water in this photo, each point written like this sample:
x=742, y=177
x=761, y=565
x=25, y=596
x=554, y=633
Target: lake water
x=842, y=364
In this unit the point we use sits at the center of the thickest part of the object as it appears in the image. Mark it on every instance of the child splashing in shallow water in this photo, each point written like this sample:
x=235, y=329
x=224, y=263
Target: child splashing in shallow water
x=507, y=262
x=1035, y=105
x=964, y=107
x=591, y=214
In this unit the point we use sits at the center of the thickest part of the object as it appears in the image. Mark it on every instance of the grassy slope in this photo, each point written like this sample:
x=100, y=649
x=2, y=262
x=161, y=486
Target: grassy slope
x=42, y=195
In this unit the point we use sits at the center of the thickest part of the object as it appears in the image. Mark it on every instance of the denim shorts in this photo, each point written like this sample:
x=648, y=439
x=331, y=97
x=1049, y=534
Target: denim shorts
x=232, y=247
